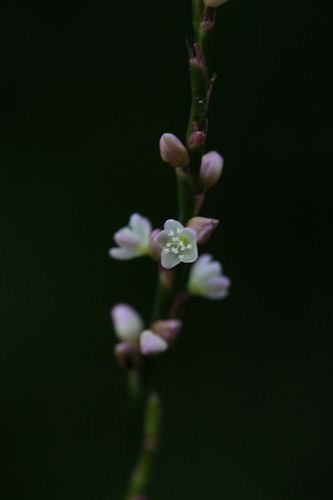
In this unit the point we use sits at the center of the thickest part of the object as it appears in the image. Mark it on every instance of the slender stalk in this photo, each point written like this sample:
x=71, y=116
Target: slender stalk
x=170, y=297
x=201, y=86
x=163, y=295
x=186, y=195
x=134, y=384
x=143, y=470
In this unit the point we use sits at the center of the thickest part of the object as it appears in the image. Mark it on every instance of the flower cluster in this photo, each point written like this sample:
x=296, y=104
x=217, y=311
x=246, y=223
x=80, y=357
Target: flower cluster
x=173, y=245
x=134, y=338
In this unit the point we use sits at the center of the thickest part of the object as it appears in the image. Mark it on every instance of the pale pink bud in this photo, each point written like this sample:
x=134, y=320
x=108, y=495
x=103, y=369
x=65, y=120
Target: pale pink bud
x=173, y=151
x=204, y=227
x=127, y=322
x=168, y=329
x=152, y=344
x=211, y=169
x=214, y=3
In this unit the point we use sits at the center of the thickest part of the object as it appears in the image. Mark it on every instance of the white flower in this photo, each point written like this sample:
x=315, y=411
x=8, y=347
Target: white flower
x=151, y=343
x=178, y=243
x=127, y=322
x=133, y=240
x=214, y=3
x=206, y=279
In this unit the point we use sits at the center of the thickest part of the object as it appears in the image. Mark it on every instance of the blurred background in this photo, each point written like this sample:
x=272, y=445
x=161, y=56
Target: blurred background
x=85, y=95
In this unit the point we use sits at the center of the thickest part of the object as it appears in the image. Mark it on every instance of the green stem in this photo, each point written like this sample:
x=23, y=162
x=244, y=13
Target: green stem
x=197, y=15
x=163, y=294
x=134, y=385
x=186, y=195
x=199, y=90
x=187, y=179
x=143, y=469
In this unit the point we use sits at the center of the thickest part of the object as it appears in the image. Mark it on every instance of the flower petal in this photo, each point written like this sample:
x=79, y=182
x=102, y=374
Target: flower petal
x=162, y=238
x=206, y=268
x=173, y=225
x=125, y=237
x=141, y=226
x=190, y=234
x=209, y=271
x=217, y=288
x=122, y=253
x=169, y=259
x=151, y=343
x=190, y=255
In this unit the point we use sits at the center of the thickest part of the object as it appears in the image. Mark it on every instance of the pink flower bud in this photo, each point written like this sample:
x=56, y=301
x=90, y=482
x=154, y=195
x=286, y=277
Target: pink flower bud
x=168, y=329
x=152, y=344
x=173, y=151
x=204, y=227
x=211, y=169
x=127, y=322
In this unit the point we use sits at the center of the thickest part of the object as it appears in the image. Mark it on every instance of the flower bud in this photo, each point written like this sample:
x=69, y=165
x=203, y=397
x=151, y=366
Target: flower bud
x=152, y=344
x=126, y=354
x=204, y=227
x=168, y=329
x=173, y=151
x=211, y=169
x=214, y=3
x=127, y=322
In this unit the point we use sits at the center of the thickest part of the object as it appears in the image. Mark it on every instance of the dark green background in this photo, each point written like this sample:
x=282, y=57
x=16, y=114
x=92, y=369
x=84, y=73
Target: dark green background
x=85, y=95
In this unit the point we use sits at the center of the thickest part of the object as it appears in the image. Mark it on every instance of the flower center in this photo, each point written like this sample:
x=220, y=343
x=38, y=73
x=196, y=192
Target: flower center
x=178, y=242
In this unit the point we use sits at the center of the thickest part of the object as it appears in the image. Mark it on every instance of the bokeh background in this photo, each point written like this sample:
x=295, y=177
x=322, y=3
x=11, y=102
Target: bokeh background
x=86, y=93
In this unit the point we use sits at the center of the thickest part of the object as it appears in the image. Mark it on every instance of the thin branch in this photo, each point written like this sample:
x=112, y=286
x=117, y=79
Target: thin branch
x=143, y=470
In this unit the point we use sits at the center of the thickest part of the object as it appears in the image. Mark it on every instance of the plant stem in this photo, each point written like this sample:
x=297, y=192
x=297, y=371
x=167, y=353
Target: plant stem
x=169, y=297
x=187, y=179
x=134, y=384
x=143, y=469
x=186, y=195
x=163, y=294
